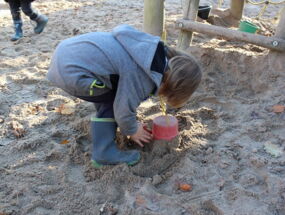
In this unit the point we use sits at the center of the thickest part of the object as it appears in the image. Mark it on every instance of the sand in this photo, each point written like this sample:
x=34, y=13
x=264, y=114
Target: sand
x=230, y=147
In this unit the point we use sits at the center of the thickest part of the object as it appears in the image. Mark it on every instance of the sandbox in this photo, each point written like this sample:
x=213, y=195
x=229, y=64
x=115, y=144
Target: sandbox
x=230, y=147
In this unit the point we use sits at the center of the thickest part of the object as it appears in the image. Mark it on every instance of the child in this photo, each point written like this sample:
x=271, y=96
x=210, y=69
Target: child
x=117, y=71
x=26, y=6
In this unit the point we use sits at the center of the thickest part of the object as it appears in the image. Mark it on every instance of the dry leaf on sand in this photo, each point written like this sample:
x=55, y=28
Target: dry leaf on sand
x=35, y=109
x=17, y=129
x=66, y=109
x=64, y=142
x=140, y=200
x=278, y=108
x=185, y=187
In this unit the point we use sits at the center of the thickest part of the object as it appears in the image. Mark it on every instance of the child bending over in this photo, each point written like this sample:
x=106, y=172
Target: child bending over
x=117, y=71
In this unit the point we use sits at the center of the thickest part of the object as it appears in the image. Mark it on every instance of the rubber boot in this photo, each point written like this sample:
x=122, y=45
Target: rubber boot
x=105, y=151
x=18, y=30
x=41, y=21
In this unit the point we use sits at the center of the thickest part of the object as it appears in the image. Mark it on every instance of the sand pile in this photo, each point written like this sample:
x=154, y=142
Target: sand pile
x=230, y=147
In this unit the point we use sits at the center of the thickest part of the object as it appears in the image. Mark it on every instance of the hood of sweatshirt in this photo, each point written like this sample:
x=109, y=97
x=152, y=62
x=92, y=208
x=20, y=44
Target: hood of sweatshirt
x=140, y=46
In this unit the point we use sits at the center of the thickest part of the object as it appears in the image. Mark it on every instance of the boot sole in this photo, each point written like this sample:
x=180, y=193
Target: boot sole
x=16, y=39
x=98, y=165
x=42, y=29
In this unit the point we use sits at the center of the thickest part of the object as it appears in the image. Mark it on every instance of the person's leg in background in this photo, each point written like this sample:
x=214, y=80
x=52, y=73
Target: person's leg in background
x=40, y=19
x=103, y=133
x=16, y=15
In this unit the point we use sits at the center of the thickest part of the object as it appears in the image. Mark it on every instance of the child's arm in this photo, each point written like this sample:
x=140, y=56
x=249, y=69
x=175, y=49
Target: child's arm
x=130, y=93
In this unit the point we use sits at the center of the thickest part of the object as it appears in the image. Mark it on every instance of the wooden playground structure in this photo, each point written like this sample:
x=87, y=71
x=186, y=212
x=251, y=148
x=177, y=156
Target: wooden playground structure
x=154, y=24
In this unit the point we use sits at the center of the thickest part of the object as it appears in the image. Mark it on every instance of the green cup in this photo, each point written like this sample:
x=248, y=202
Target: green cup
x=248, y=27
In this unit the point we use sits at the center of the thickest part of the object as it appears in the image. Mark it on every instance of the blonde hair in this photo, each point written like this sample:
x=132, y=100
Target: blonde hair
x=181, y=79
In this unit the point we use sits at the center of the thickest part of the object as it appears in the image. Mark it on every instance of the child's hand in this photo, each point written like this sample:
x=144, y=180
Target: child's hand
x=141, y=136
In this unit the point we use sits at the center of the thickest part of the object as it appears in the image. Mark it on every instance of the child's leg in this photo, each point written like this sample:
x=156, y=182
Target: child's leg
x=103, y=132
x=104, y=126
x=15, y=9
x=28, y=10
x=41, y=20
x=16, y=15
x=104, y=110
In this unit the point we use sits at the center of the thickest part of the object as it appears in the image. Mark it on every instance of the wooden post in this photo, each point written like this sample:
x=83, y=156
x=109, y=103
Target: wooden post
x=237, y=8
x=273, y=43
x=154, y=17
x=280, y=31
x=190, y=10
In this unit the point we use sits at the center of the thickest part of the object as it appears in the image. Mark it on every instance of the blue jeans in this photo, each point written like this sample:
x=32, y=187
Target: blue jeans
x=104, y=107
x=26, y=6
x=103, y=99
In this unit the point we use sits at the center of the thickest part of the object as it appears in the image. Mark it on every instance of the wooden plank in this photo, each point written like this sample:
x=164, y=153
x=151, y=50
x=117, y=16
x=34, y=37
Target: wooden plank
x=190, y=10
x=273, y=43
x=280, y=31
x=154, y=17
x=236, y=9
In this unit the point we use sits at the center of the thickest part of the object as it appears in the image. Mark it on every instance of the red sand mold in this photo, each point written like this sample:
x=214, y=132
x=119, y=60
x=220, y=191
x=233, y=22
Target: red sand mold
x=165, y=127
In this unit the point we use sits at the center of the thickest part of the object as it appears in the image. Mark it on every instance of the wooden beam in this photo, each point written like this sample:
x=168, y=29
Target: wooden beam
x=190, y=10
x=237, y=8
x=154, y=17
x=273, y=43
x=280, y=31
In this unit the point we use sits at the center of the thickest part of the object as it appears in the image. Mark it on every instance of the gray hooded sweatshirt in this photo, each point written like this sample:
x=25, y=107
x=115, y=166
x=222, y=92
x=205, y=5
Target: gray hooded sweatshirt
x=126, y=52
